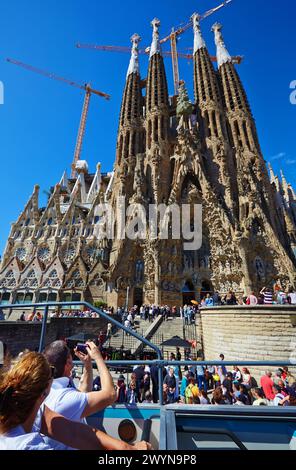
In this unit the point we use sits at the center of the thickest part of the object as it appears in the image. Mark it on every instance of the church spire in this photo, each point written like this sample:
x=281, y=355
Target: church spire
x=199, y=42
x=155, y=45
x=223, y=55
x=134, y=60
x=271, y=172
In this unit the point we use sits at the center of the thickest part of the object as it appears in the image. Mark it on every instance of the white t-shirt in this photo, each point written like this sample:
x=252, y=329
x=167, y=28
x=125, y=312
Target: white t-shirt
x=279, y=397
x=293, y=298
x=65, y=400
x=18, y=439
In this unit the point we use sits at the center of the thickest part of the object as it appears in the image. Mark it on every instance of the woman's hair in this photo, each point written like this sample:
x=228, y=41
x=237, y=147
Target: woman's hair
x=57, y=354
x=218, y=396
x=20, y=387
x=258, y=392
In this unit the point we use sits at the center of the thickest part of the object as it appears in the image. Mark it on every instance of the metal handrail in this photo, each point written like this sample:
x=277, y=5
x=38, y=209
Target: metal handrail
x=110, y=319
x=159, y=362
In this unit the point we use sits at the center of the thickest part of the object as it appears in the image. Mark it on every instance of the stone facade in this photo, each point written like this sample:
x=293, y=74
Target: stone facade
x=254, y=334
x=26, y=335
x=169, y=151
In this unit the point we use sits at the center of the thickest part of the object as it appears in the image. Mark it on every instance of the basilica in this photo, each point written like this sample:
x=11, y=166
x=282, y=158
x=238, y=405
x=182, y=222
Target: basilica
x=169, y=151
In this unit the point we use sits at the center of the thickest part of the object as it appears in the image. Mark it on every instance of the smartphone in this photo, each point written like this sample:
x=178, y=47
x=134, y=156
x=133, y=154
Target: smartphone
x=82, y=348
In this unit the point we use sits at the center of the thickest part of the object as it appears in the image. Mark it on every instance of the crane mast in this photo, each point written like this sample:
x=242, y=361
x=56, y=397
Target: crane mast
x=83, y=120
x=81, y=132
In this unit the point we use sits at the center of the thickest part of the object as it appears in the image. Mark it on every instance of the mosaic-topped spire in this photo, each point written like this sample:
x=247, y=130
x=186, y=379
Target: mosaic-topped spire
x=223, y=55
x=155, y=45
x=199, y=42
x=134, y=61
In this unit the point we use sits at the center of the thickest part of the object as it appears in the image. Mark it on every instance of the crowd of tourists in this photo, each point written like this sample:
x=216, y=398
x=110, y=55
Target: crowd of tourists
x=266, y=296
x=210, y=385
x=36, y=389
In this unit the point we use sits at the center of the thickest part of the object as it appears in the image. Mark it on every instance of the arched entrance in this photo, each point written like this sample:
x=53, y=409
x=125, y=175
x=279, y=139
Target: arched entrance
x=138, y=296
x=206, y=288
x=188, y=292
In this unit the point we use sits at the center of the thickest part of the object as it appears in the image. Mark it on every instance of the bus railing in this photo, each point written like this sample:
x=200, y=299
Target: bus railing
x=160, y=363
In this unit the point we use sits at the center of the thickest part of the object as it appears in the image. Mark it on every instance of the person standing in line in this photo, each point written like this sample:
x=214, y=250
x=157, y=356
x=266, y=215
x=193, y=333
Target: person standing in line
x=266, y=384
x=252, y=299
x=267, y=295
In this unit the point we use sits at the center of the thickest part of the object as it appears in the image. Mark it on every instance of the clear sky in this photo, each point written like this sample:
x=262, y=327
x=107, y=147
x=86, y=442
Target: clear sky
x=40, y=117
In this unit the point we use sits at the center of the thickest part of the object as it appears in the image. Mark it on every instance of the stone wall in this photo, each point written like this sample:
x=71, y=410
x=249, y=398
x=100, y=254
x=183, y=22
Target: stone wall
x=250, y=333
x=22, y=335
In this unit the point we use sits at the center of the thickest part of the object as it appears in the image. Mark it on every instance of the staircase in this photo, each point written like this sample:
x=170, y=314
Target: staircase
x=120, y=338
x=166, y=330
x=176, y=327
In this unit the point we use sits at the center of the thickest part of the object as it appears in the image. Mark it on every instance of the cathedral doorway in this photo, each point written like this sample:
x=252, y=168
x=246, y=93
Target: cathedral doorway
x=206, y=288
x=138, y=296
x=188, y=293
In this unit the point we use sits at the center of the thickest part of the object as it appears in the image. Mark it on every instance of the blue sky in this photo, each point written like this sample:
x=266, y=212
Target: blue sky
x=40, y=117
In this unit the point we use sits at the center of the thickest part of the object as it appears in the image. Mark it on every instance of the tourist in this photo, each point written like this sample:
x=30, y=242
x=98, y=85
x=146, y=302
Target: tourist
x=209, y=301
x=64, y=398
x=121, y=390
x=259, y=398
x=230, y=299
x=218, y=397
x=165, y=390
x=227, y=385
x=22, y=317
x=139, y=372
x=155, y=382
x=209, y=372
x=147, y=397
x=281, y=297
x=236, y=375
x=170, y=379
x=216, y=299
x=243, y=395
x=109, y=330
x=201, y=381
x=178, y=355
x=131, y=395
x=291, y=298
x=246, y=378
x=27, y=424
x=266, y=384
x=252, y=299
x=192, y=392
x=184, y=384
x=278, y=395
x=267, y=295
x=289, y=378
x=171, y=396
x=278, y=376
x=203, y=302
x=146, y=385
x=235, y=391
x=203, y=397
x=221, y=370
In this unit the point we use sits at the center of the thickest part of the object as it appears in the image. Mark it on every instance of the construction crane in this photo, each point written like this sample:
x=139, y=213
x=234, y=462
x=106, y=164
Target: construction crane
x=88, y=92
x=174, y=36
x=173, y=53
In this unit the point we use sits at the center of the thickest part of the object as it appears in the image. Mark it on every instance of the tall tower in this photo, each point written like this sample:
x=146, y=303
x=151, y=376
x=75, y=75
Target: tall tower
x=131, y=133
x=258, y=224
x=211, y=115
x=157, y=165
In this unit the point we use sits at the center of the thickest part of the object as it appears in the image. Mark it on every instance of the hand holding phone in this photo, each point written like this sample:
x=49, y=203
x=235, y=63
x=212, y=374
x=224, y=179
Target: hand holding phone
x=81, y=347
